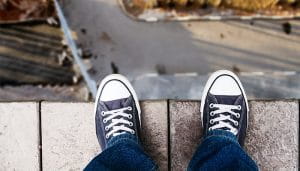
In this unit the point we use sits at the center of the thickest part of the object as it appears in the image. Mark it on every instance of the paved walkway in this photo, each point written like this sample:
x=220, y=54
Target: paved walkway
x=61, y=136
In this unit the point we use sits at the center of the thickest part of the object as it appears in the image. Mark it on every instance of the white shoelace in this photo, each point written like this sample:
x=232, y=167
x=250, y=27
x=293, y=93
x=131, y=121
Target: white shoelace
x=222, y=118
x=116, y=128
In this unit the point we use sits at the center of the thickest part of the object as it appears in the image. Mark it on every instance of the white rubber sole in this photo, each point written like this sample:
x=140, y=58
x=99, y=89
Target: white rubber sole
x=211, y=79
x=128, y=85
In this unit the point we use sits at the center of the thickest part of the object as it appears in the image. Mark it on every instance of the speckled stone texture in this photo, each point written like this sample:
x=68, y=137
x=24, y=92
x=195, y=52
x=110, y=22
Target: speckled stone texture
x=69, y=141
x=155, y=131
x=185, y=132
x=19, y=136
x=69, y=138
x=272, y=138
x=68, y=135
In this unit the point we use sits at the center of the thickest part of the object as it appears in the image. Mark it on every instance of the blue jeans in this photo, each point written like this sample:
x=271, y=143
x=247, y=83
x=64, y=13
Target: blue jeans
x=219, y=150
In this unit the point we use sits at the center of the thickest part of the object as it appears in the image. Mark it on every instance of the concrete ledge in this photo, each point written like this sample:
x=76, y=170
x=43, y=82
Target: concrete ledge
x=273, y=133
x=171, y=132
x=272, y=137
x=68, y=135
x=19, y=136
x=185, y=132
x=155, y=131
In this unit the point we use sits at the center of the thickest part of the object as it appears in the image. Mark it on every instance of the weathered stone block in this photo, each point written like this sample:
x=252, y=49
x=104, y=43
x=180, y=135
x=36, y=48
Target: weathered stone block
x=69, y=139
x=272, y=137
x=68, y=135
x=155, y=131
x=185, y=132
x=273, y=132
x=19, y=136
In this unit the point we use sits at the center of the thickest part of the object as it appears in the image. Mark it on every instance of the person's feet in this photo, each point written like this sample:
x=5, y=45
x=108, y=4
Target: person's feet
x=224, y=105
x=117, y=109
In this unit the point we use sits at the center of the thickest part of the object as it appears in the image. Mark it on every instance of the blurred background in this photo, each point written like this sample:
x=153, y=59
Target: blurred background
x=167, y=48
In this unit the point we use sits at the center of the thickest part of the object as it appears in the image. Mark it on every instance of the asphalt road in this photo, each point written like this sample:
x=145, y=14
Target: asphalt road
x=136, y=48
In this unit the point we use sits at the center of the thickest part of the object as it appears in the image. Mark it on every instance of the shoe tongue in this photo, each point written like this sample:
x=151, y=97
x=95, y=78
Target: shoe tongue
x=117, y=104
x=230, y=100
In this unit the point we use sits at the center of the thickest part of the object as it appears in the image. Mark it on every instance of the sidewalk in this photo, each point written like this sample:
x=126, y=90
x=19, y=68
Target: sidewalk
x=171, y=130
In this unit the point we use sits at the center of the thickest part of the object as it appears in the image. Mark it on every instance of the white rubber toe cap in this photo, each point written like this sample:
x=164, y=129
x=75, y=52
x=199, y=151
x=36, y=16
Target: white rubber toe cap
x=114, y=90
x=225, y=85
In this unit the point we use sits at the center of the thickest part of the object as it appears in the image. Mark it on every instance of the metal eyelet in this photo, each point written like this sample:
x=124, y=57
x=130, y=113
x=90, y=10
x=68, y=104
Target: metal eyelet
x=104, y=120
x=211, y=113
x=129, y=108
x=239, y=107
x=209, y=129
x=238, y=115
x=211, y=121
x=236, y=123
x=102, y=113
x=130, y=124
x=211, y=105
x=106, y=128
x=129, y=116
x=106, y=136
x=132, y=132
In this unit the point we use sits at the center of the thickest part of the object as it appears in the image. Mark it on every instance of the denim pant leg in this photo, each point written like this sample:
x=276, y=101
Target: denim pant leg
x=123, y=153
x=220, y=150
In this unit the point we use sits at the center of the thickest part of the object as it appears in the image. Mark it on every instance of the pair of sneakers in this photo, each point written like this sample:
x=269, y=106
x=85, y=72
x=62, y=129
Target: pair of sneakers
x=224, y=106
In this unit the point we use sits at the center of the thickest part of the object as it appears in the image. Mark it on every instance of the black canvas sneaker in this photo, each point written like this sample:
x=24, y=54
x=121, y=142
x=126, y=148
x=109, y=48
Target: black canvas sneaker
x=224, y=105
x=117, y=109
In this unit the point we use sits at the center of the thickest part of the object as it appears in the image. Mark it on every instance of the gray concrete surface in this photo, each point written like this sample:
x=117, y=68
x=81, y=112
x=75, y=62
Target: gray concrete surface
x=273, y=134
x=69, y=141
x=19, y=136
x=190, y=86
x=119, y=44
x=136, y=48
x=153, y=87
x=185, y=132
x=272, y=138
x=68, y=135
x=69, y=138
x=155, y=131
